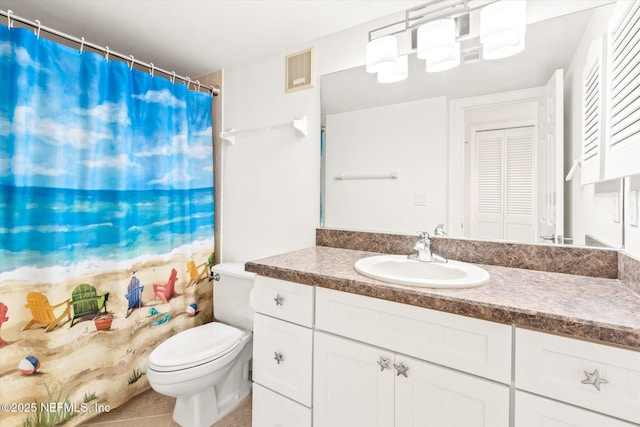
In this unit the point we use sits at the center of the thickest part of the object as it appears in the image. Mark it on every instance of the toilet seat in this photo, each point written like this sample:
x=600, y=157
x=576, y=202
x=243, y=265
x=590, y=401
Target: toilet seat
x=195, y=346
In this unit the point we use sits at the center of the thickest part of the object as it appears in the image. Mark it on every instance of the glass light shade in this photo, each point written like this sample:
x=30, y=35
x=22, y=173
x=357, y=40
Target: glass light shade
x=502, y=28
x=447, y=61
x=382, y=54
x=397, y=73
x=436, y=39
x=503, y=50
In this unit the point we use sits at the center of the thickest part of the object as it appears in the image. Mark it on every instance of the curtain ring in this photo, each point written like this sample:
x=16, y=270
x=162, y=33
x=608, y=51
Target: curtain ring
x=188, y=81
x=198, y=81
x=212, y=89
x=173, y=77
x=9, y=23
x=106, y=56
x=132, y=61
x=81, y=45
x=152, y=69
x=38, y=30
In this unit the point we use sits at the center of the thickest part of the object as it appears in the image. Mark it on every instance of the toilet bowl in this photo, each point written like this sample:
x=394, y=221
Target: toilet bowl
x=206, y=368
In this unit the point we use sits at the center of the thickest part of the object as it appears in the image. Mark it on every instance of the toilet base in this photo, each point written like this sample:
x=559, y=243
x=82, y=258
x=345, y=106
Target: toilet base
x=201, y=410
x=206, y=407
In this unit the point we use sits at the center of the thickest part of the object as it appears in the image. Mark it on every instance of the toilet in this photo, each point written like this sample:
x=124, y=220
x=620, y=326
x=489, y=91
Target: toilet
x=206, y=368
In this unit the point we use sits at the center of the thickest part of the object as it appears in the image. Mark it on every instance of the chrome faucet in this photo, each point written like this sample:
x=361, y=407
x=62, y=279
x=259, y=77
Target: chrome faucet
x=423, y=249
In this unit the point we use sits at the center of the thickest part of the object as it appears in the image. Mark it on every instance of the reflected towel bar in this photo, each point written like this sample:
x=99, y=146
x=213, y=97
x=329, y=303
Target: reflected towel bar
x=392, y=175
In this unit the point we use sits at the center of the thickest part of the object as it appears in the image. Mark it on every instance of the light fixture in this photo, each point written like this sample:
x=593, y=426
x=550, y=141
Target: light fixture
x=436, y=39
x=382, y=54
x=449, y=59
x=502, y=28
x=438, y=27
x=397, y=73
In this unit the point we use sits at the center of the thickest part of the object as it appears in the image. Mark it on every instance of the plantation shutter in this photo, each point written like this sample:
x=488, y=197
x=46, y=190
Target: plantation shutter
x=592, y=114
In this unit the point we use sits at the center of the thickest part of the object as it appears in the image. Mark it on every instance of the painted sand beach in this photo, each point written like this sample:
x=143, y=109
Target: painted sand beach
x=91, y=368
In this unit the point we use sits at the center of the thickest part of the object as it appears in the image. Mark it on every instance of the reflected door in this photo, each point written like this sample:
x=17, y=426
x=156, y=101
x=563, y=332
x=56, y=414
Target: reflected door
x=503, y=182
x=550, y=161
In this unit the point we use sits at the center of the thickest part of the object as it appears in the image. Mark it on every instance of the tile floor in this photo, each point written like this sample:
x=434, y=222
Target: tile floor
x=150, y=409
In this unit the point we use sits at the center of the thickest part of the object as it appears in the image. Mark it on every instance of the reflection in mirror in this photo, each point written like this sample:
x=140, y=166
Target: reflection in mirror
x=483, y=148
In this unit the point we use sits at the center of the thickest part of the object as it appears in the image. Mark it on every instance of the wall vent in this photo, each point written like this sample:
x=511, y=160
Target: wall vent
x=299, y=70
x=471, y=55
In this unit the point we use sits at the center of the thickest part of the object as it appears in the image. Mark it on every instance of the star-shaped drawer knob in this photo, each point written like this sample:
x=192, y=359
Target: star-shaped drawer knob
x=594, y=379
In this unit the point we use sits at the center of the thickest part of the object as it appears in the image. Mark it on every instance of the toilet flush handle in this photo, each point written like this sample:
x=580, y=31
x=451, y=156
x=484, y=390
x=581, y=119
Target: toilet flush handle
x=216, y=277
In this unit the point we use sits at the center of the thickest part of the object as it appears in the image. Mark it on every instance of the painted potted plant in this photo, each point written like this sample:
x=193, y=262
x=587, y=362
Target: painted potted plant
x=103, y=321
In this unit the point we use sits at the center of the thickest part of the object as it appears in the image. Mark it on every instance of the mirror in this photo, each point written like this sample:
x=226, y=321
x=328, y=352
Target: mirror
x=432, y=149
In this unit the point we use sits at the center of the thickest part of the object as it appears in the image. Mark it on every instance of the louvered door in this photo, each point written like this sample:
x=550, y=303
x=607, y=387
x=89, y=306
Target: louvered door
x=623, y=150
x=503, y=184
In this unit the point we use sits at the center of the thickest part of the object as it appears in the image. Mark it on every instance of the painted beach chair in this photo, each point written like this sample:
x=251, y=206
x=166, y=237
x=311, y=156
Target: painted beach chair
x=134, y=295
x=3, y=318
x=195, y=276
x=87, y=303
x=45, y=313
x=166, y=290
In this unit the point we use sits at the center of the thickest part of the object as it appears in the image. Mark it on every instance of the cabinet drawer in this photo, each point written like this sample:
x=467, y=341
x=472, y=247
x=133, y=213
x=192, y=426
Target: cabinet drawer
x=556, y=367
x=273, y=410
x=288, y=301
x=282, y=357
x=536, y=411
x=476, y=346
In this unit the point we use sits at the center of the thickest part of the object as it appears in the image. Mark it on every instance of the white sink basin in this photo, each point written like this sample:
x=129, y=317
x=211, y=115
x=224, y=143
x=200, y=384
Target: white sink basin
x=403, y=271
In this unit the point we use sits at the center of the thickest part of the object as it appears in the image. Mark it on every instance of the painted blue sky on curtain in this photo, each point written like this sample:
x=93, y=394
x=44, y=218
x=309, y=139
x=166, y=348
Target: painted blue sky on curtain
x=97, y=160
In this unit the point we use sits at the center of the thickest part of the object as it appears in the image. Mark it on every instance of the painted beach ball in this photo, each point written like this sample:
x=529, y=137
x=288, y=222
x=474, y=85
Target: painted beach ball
x=191, y=309
x=29, y=365
x=153, y=311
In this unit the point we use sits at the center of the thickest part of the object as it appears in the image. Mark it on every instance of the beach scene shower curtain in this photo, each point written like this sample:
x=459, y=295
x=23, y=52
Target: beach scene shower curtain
x=106, y=226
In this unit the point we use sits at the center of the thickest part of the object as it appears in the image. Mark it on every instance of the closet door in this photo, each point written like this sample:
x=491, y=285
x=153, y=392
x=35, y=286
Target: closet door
x=504, y=184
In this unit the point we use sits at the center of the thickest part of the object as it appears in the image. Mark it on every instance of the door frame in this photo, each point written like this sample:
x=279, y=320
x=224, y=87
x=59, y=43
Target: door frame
x=457, y=113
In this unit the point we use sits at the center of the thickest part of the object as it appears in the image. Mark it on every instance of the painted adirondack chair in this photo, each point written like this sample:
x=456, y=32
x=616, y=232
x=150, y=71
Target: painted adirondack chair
x=195, y=276
x=134, y=295
x=3, y=318
x=45, y=313
x=87, y=303
x=166, y=290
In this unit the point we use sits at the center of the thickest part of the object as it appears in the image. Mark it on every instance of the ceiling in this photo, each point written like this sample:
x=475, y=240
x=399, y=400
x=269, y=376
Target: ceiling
x=195, y=37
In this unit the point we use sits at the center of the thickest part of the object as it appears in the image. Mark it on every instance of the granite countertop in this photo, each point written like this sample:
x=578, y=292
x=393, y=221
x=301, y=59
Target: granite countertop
x=602, y=310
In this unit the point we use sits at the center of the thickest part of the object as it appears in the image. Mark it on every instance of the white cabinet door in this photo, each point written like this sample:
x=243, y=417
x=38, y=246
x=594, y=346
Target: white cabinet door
x=536, y=411
x=351, y=389
x=273, y=410
x=431, y=395
x=282, y=357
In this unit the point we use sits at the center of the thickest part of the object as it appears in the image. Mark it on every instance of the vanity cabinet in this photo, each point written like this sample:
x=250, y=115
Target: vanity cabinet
x=360, y=381
x=592, y=376
x=359, y=385
x=282, y=353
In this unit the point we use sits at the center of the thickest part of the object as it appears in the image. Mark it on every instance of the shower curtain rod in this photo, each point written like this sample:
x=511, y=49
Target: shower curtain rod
x=38, y=27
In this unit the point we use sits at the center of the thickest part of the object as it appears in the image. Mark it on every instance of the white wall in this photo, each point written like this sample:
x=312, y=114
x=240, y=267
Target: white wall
x=270, y=177
x=408, y=138
x=632, y=233
x=271, y=180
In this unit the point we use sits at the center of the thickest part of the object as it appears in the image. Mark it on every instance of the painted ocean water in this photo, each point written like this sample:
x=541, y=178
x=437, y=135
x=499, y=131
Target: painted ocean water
x=51, y=227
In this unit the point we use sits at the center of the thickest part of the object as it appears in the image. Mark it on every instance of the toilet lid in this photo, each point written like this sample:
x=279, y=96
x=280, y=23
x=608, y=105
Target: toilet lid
x=195, y=346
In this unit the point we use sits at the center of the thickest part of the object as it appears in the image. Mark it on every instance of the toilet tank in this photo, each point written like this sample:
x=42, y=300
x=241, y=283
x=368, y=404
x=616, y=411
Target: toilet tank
x=231, y=289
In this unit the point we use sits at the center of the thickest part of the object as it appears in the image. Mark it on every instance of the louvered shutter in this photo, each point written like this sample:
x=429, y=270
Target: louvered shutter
x=519, y=184
x=592, y=114
x=488, y=191
x=623, y=155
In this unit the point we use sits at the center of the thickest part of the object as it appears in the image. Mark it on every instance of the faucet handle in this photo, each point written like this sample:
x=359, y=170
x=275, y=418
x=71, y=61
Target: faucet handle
x=423, y=235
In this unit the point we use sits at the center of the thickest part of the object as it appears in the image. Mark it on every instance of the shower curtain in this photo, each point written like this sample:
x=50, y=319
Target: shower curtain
x=106, y=226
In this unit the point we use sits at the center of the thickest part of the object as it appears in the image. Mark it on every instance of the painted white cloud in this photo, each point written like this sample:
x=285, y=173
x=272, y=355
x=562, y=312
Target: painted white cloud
x=163, y=97
x=108, y=112
x=24, y=166
x=119, y=162
x=25, y=122
x=157, y=151
x=5, y=49
x=176, y=176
